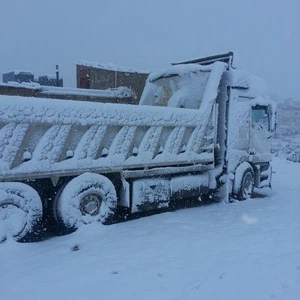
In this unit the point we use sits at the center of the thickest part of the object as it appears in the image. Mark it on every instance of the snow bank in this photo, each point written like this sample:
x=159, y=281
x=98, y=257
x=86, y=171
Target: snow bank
x=246, y=250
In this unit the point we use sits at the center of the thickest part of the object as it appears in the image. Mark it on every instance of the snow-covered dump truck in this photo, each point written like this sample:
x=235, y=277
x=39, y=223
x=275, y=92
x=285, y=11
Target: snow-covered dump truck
x=201, y=128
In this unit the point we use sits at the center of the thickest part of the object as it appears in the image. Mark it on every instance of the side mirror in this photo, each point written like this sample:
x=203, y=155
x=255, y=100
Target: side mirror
x=273, y=117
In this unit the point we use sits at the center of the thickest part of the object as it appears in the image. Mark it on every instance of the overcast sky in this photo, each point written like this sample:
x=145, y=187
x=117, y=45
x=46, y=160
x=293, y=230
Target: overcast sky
x=142, y=34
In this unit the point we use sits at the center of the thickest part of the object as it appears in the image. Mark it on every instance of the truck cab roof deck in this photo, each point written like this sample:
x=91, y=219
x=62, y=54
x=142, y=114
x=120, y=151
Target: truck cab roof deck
x=226, y=58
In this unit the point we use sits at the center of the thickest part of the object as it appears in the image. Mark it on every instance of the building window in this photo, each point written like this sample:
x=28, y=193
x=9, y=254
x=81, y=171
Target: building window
x=84, y=79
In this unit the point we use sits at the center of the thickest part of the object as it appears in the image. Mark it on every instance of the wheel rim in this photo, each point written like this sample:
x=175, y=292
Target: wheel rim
x=247, y=185
x=90, y=204
x=12, y=220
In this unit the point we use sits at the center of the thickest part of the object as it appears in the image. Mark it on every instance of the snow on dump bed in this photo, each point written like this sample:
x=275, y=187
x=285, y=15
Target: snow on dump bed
x=120, y=92
x=14, y=109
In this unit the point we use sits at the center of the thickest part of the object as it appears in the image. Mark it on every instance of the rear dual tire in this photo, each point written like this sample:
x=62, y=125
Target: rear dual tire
x=85, y=199
x=21, y=212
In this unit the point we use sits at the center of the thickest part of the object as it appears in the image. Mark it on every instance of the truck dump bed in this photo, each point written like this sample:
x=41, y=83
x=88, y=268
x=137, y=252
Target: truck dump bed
x=41, y=138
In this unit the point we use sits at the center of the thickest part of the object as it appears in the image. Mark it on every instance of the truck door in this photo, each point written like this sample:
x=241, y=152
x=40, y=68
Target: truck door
x=260, y=134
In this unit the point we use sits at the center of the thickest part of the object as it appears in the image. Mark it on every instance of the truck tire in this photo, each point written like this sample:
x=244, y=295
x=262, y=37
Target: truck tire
x=85, y=199
x=243, y=182
x=21, y=211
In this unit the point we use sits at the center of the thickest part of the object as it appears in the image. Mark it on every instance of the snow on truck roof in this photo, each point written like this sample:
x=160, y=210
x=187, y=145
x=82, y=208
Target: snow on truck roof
x=26, y=109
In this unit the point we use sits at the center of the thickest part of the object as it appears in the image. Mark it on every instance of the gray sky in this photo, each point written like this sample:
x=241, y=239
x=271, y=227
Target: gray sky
x=35, y=35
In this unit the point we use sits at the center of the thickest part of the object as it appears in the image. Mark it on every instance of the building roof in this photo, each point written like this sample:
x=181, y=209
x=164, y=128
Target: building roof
x=120, y=92
x=23, y=72
x=110, y=67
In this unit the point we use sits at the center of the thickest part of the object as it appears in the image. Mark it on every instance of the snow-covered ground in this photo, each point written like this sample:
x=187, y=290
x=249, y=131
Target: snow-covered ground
x=244, y=250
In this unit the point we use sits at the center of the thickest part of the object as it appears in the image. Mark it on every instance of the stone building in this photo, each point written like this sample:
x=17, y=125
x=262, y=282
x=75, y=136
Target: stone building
x=50, y=80
x=27, y=76
x=18, y=76
x=101, y=76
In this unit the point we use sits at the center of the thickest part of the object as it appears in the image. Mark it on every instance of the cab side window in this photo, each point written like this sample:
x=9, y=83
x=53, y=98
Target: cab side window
x=260, y=118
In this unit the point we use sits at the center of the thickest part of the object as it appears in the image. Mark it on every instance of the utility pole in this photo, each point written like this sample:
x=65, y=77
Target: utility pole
x=57, y=75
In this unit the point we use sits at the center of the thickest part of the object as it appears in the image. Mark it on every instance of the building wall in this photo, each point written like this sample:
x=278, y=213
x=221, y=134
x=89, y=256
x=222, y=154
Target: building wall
x=50, y=81
x=96, y=78
x=8, y=77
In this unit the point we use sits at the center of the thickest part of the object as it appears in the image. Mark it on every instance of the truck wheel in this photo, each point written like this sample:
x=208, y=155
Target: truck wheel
x=85, y=199
x=243, y=182
x=21, y=211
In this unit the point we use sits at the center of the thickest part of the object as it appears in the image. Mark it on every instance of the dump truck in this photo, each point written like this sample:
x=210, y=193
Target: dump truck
x=201, y=128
